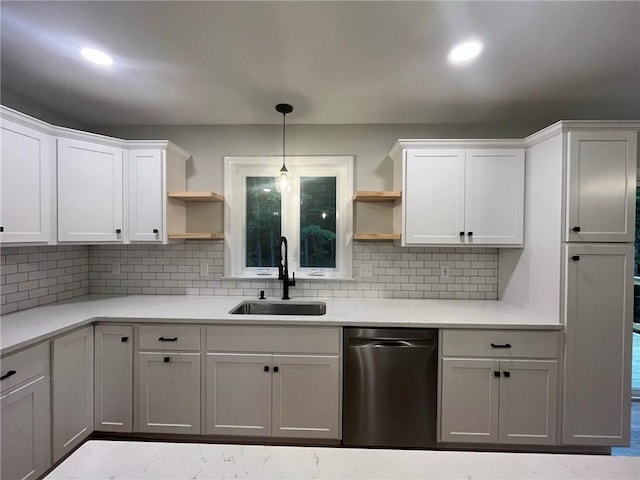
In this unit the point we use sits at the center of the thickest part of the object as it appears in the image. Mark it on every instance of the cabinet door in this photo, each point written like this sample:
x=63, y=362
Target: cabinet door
x=72, y=380
x=306, y=396
x=113, y=378
x=598, y=316
x=169, y=392
x=494, y=196
x=433, y=197
x=89, y=192
x=25, y=431
x=239, y=394
x=469, y=400
x=528, y=402
x=146, y=195
x=601, y=186
x=26, y=170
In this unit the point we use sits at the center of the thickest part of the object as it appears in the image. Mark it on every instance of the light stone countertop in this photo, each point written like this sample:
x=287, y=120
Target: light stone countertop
x=100, y=459
x=26, y=327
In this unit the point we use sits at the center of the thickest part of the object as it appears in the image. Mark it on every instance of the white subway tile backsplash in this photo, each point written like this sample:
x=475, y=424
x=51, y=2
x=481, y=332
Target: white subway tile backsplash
x=32, y=276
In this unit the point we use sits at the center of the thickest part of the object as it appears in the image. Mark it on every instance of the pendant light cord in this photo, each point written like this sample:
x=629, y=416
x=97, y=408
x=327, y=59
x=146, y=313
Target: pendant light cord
x=284, y=126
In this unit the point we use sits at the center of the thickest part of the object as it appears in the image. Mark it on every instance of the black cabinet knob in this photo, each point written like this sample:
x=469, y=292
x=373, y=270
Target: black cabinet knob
x=155, y=230
x=276, y=369
x=167, y=359
x=470, y=234
x=1, y=229
x=506, y=374
x=124, y=339
x=496, y=373
x=118, y=231
x=461, y=234
x=266, y=368
x=575, y=258
x=576, y=229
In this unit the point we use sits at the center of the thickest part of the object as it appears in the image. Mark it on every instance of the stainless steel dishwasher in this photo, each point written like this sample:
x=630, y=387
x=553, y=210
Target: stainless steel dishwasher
x=390, y=387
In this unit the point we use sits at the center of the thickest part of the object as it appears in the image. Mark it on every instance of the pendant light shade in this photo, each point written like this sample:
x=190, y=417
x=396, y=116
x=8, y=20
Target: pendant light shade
x=283, y=182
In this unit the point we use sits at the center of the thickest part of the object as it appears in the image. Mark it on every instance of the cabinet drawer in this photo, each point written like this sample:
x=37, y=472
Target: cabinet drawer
x=169, y=337
x=500, y=343
x=26, y=364
x=273, y=339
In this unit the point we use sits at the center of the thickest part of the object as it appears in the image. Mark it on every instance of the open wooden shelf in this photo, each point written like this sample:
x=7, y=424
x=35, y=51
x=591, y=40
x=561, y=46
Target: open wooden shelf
x=376, y=236
x=379, y=196
x=197, y=196
x=196, y=236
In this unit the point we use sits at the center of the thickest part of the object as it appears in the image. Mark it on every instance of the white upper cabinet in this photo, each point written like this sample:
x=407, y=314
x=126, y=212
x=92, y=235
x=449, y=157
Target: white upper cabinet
x=154, y=169
x=147, y=195
x=460, y=196
x=26, y=191
x=601, y=167
x=90, y=196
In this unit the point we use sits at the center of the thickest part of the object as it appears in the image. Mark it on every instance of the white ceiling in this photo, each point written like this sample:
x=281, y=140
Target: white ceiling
x=337, y=62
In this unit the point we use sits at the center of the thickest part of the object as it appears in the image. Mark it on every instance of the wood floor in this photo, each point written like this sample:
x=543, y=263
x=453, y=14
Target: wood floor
x=634, y=448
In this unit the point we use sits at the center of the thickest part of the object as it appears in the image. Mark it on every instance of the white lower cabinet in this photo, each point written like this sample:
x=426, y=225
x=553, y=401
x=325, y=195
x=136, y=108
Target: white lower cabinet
x=499, y=398
x=306, y=396
x=25, y=429
x=72, y=390
x=169, y=392
x=260, y=390
x=239, y=394
x=113, y=378
x=599, y=314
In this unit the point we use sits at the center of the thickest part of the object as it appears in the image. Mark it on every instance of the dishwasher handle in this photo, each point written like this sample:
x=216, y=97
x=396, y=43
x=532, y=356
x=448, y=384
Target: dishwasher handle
x=392, y=342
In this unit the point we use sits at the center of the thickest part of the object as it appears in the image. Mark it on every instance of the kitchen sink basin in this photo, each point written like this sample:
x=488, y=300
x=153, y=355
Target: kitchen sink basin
x=279, y=308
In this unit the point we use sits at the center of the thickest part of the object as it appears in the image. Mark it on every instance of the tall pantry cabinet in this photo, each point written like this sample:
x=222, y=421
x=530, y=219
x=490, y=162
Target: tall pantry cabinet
x=577, y=266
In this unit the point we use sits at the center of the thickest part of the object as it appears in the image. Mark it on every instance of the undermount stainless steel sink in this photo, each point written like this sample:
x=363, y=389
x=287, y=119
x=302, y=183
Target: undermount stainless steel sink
x=279, y=308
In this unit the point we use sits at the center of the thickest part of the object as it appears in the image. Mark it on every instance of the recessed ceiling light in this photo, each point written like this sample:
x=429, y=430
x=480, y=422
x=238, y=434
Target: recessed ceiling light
x=96, y=56
x=465, y=52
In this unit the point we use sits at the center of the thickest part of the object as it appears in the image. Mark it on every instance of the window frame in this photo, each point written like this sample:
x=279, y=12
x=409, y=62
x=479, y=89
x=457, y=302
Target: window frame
x=238, y=168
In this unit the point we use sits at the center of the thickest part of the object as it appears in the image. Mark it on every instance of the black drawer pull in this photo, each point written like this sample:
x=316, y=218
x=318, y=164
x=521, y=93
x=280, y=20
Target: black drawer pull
x=118, y=231
x=266, y=368
x=470, y=234
x=168, y=339
x=276, y=369
x=506, y=374
x=10, y=373
x=124, y=339
x=576, y=229
x=575, y=258
x=1, y=229
x=155, y=230
x=500, y=345
x=167, y=359
x=496, y=373
x=461, y=234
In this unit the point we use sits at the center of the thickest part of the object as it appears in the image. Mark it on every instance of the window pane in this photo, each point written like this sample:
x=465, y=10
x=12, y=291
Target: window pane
x=318, y=222
x=263, y=222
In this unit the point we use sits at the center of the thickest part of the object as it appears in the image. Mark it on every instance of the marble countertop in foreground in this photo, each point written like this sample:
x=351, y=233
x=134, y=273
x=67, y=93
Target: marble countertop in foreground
x=28, y=326
x=99, y=459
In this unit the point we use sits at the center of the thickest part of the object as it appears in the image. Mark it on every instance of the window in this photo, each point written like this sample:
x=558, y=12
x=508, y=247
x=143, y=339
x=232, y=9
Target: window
x=315, y=216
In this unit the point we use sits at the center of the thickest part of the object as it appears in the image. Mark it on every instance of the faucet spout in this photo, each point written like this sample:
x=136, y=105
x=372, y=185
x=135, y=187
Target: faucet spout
x=283, y=268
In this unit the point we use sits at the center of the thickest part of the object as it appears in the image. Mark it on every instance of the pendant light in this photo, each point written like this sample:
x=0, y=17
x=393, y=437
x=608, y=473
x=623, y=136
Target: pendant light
x=283, y=183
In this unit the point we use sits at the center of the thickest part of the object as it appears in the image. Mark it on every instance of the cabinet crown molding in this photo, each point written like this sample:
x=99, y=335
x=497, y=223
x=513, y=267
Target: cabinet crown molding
x=565, y=126
x=404, y=144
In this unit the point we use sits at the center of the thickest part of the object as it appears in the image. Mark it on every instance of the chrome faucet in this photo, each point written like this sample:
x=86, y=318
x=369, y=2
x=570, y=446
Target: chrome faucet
x=283, y=269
